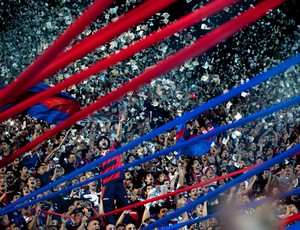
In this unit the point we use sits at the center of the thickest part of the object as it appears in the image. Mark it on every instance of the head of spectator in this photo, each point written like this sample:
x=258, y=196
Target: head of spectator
x=136, y=190
x=245, y=199
x=38, y=183
x=162, y=211
x=88, y=209
x=130, y=226
x=41, y=168
x=78, y=155
x=128, y=185
x=5, y=153
x=50, y=227
x=209, y=172
x=167, y=184
x=15, y=196
x=2, y=170
x=25, y=190
x=82, y=177
x=89, y=174
x=170, y=168
x=78, y=214
x=195, y=226
x=5, y=146
x=110, y=227
x=147, y=190
x=180, y=200
x=121, y=226
x=23, y=172
x=89, y=153
x=130, y=158
x=74, y=181
x=128, y=175
x=161, y=177
x=196, y=166
x=103, y=143
x=93, y=186
x=31, y=183
x=146, y=222
x=193, y=194
x=14, y=166
x=10, y=178
x=148, y=178
x=26, y=211
x=71, y=159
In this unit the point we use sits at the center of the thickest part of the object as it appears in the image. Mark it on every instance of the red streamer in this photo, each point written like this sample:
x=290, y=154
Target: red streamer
x=177, y=191
x=62, y=215
x=155, y=37
x=102, y=36
x=288, y=220
x=165, y=195
x=20, y=84
x=200, y=46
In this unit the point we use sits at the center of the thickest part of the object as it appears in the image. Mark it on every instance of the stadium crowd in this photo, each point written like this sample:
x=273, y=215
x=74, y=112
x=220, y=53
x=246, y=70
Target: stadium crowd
x=248, y=53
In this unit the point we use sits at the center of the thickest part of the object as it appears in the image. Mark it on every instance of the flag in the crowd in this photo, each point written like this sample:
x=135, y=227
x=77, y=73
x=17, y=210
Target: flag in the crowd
x=181, y=133
x=197, y=149
x=52, y=110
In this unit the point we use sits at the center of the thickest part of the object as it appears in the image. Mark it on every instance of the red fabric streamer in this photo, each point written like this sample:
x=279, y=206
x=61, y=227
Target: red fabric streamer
x=177, y=191
x=288, y=220
x=59, y=214
x=145, y=43
x=20, y=84
x=85, y=46
x=164, y=195
x=199, y=47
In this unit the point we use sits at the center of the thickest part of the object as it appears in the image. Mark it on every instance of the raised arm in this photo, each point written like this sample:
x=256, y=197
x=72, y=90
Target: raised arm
x=119, y=130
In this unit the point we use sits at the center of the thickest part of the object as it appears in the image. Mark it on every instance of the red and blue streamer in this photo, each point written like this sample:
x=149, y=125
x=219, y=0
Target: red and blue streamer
x=217, y=131
x=200, y=46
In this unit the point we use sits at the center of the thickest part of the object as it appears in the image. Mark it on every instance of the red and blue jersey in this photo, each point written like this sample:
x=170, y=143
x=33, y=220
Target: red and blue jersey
x=111, y=164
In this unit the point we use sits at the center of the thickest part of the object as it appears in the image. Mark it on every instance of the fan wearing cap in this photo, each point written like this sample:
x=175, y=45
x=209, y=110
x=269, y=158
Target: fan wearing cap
x=113, y=188
x=209, y=172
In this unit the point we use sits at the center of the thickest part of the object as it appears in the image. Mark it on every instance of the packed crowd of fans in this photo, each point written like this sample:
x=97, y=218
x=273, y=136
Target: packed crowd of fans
x=262, y=45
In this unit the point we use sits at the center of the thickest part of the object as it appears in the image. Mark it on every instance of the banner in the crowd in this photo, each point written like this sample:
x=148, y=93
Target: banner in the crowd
x=52, y=110
x=198, y=149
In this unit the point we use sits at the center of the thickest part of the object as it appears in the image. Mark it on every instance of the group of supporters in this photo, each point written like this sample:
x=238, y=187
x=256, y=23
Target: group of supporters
x=66, y=152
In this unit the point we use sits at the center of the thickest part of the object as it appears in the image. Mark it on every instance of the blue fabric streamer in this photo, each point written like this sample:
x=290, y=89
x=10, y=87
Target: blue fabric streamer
x=206, y=106
x=295, y=226
x=217, y=131
x=245, y=206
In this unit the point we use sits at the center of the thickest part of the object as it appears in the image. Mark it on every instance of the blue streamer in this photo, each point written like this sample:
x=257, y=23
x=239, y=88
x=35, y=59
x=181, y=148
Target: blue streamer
x=295, y=226
x=206, y=106
x=229, y=184
x=165, y=151
x=245, y=206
